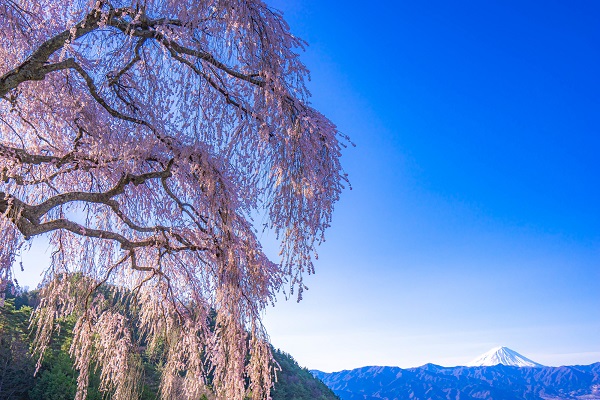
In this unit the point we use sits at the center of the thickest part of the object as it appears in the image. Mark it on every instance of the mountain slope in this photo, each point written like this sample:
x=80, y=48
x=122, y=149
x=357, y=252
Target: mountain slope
x=465, y=383
x=296, y=383
x=504, y=356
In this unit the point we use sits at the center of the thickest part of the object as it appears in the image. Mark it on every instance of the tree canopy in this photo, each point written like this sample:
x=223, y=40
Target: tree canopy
x=141, y=137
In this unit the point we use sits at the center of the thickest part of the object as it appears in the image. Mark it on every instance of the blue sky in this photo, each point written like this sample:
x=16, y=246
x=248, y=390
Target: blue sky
x=474, y=219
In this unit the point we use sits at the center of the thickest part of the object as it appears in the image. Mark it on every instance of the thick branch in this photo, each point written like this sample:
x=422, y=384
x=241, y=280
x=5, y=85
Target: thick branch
x=35, y=67
x=24, y=217
x=24, y=157
x=27, y=217
x=103, y=198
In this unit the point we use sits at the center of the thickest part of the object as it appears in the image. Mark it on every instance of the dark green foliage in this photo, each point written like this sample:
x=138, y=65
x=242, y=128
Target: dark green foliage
x=16, y=363
x=56, y=378
x=57, y=381
x=296, y=383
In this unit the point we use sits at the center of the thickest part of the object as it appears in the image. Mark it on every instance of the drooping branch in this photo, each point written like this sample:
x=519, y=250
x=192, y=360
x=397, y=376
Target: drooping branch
x=114, y=78
x=94, y=93
x=145, y=29
x=36, y=66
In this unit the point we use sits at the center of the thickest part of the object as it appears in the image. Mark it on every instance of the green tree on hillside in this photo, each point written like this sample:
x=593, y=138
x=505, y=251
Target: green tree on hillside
x=16, y=364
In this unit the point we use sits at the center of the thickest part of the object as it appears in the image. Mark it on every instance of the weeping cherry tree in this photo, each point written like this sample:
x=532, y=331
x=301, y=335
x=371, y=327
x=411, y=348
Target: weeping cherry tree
x=141, y=137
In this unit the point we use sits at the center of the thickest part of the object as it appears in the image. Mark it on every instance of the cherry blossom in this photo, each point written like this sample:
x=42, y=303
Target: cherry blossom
x=141, y=137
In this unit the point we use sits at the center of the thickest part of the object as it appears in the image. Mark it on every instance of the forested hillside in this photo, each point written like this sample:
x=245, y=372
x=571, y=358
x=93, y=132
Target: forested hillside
x=294, y=382
x=56, y=378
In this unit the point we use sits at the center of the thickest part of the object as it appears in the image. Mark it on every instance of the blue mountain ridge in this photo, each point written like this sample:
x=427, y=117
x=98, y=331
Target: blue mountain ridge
x=499, y=382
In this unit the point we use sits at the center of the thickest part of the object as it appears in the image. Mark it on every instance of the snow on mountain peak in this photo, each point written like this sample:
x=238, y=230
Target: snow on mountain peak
x=502, y=355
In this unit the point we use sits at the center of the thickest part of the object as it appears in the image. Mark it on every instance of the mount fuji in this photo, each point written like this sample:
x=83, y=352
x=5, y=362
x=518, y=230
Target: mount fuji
x=504, y=356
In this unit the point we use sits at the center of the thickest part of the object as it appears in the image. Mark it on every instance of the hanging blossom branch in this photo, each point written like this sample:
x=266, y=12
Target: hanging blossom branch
x=37, y=66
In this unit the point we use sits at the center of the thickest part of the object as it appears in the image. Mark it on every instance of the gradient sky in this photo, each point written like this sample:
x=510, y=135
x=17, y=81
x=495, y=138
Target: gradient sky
x=474, y=218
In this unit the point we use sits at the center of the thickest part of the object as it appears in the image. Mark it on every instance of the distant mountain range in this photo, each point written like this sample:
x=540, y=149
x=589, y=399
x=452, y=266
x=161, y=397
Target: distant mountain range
x=512, y=376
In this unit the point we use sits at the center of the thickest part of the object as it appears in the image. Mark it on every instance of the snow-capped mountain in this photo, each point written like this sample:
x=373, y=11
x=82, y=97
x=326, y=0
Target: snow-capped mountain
x=504, y=356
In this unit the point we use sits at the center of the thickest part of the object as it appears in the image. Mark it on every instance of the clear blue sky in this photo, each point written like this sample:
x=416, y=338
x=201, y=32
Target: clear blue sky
x=474, y=219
